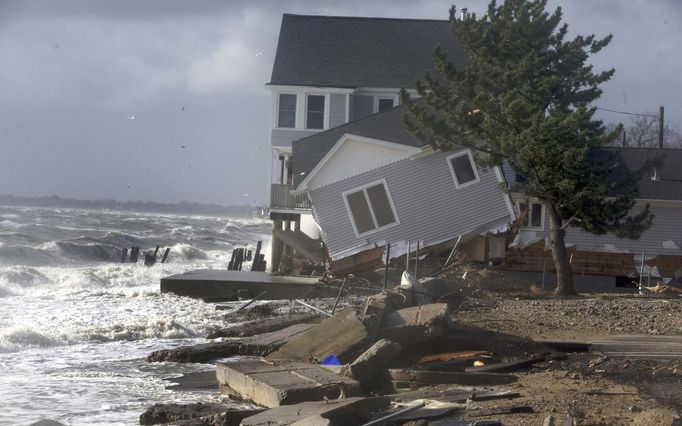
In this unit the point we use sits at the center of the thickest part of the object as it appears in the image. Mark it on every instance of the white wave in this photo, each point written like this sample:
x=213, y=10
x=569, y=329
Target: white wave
x=187, y=252
x=17, y=338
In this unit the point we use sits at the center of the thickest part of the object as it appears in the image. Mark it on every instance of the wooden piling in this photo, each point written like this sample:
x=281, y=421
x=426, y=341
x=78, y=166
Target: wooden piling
x=230, y=266
x=124, y=255
x=164, y=259
x=255, y=266
x=134, y=254
x=156, y=253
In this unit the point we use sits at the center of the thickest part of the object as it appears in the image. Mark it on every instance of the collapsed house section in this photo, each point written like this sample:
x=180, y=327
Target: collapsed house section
x=372, y=183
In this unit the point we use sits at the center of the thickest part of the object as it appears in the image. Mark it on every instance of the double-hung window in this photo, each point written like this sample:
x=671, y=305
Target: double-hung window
x=533, y=214
x=370, y=208
x=286, y=117
x=463, y=169
x=314, y=112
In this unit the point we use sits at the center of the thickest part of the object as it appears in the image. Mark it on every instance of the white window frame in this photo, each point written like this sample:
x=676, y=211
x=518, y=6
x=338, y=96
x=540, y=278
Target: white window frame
x=325, y=114
x=277, y=111
x=363, y=188
x=473, y=166
x=378, y=97
x=529, y=203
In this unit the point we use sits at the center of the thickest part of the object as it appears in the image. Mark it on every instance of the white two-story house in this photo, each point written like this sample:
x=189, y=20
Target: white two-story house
x=331, y=70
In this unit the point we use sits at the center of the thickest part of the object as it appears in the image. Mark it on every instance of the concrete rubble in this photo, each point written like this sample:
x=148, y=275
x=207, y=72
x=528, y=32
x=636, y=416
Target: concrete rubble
x=386, y=358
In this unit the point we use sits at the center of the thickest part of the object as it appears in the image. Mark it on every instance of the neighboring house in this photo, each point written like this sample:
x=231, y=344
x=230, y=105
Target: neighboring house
x=329, y=71
x=661, y=245
x=372, y=183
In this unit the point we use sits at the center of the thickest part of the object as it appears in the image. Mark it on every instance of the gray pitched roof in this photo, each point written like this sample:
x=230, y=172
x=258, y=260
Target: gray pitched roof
x=385, y=126
x=349, y=52
x=669, y=183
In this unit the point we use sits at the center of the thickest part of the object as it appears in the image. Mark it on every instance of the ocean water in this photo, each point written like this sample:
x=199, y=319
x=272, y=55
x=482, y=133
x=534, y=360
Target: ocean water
x=76, y=325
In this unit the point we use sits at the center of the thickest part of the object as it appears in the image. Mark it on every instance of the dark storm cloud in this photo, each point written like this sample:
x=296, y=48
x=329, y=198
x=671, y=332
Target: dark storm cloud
x=98, y=97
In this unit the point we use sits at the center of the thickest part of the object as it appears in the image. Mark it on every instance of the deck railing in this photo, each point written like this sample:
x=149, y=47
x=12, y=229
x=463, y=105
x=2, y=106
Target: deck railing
x=281, y=198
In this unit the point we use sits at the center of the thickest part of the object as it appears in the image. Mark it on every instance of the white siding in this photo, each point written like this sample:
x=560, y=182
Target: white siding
x=428, y=205
x=667, y=226
x=353, y=158
x=337, y=110
x=284, y=138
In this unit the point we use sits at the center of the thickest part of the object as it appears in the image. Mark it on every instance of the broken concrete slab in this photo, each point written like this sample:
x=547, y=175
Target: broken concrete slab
x=374, y=360
x=263, y=325
x=373, y=314
x=167, y=413
x=417, y=324
x=273, y=383
x=341, y=336
x=442, y=377
x=260, y=345
x=339, y=412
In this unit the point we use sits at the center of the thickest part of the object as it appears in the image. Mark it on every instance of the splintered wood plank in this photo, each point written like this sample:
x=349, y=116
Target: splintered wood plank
x=640, y=346
x=339, y=336
x=282, y=382
x=445, y=377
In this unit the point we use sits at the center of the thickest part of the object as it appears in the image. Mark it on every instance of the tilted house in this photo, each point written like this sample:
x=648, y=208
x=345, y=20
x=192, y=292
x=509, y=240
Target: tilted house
x=329, y=71
x=372, y=183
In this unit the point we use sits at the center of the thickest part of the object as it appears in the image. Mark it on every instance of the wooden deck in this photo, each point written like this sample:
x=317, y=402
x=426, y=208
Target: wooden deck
x=222, y=285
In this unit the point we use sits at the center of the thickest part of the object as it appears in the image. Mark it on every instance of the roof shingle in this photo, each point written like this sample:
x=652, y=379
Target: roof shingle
x=350, y=52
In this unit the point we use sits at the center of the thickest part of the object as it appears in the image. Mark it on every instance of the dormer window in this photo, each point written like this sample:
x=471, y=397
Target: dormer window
x=287, y=111
x=314, y=112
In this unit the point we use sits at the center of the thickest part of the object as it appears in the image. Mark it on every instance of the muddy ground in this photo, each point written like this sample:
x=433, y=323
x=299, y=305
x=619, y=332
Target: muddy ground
x=593, y=389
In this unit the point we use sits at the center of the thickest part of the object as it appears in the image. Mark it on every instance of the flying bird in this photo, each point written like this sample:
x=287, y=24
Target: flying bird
x=260, y=53
x=183, y=146
x=131, y=117
x=183, y=108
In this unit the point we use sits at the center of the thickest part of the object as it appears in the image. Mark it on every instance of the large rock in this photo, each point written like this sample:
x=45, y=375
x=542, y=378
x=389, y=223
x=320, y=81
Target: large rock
x=196, y=413
x=272, y=383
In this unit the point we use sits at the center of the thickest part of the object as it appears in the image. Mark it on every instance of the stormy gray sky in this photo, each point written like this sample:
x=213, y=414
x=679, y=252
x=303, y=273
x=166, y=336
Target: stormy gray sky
x=98, y=98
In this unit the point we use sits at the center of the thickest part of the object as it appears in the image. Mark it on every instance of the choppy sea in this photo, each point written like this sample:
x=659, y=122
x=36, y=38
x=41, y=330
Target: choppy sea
x=76, y=324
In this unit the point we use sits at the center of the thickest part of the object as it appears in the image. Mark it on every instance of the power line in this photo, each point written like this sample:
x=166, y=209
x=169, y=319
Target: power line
x=627, y=113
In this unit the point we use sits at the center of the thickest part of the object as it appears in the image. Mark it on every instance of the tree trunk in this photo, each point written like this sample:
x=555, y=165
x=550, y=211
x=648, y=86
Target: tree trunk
x=562, y=264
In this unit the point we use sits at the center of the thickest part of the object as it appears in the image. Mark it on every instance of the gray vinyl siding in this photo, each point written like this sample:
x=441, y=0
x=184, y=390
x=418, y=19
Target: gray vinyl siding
x=282, y=137
x=361, y=106
x=337, y=110
x=428, y=206
x=667, y=225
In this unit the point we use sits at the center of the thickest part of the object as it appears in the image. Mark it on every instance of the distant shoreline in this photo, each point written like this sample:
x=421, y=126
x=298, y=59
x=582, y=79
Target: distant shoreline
x=129, y=206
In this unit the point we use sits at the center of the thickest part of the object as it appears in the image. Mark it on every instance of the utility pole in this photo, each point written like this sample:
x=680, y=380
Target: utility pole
x=660, y=126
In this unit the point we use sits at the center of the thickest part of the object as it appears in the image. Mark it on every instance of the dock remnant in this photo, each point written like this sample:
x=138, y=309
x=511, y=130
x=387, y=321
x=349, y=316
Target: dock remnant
x=273, y=383
x=221, y=285
x=124, y=255
x=134, y=254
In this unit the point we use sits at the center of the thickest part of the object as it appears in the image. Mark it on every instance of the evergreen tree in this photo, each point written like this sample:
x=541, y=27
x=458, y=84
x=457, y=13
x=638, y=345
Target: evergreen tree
x=524, y=98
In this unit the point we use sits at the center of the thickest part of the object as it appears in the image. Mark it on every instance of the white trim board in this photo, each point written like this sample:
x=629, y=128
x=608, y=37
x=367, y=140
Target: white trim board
x=390, y=153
